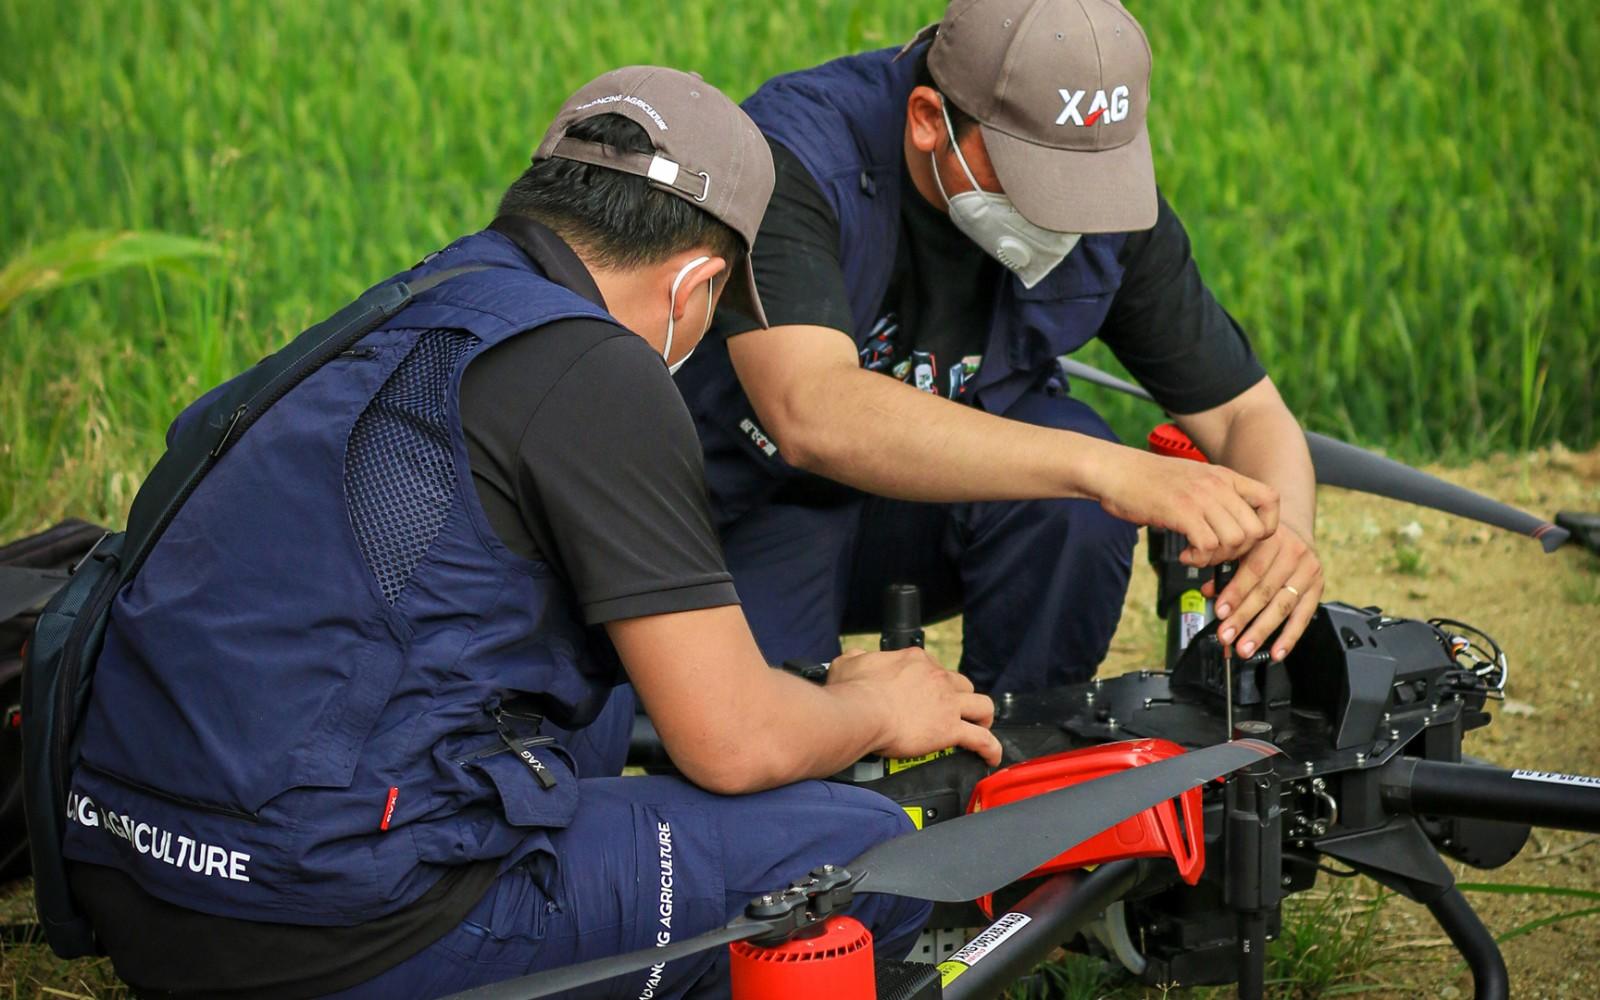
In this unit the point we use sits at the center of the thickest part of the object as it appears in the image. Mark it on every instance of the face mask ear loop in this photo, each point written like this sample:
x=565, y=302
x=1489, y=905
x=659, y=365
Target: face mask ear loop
x=710, y=303
x=672, y=303
x=943, y=110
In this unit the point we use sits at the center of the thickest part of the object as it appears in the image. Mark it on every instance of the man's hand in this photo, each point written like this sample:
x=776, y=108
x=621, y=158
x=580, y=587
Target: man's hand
x=932, y=708
x=1222, y=513
x=1279, y=582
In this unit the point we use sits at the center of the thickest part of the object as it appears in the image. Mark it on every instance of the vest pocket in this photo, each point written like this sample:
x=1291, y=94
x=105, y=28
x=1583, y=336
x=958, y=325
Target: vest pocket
x=523, y=801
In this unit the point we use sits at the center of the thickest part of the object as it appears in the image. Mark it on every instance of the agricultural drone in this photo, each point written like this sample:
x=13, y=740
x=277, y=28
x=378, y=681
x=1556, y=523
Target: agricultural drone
x=1156, y=819
x=1347, y=754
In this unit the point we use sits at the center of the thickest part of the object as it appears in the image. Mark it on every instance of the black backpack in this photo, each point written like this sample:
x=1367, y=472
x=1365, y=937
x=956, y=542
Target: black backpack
x=31, y=569
x=59, y=666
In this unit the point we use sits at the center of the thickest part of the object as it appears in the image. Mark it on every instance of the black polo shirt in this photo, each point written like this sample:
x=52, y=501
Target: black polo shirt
x=1164, y=325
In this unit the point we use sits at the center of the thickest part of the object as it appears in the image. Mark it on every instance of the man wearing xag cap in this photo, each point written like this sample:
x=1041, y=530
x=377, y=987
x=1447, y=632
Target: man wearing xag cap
x=948, y=219
x=357, y=722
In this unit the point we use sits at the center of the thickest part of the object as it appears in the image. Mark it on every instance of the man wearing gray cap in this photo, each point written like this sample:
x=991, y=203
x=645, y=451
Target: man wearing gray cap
x=357, y=721
x=948, y=220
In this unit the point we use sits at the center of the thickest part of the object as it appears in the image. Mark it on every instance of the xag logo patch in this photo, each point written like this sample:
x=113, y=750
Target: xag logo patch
x=759, y=437
x=1113, y=108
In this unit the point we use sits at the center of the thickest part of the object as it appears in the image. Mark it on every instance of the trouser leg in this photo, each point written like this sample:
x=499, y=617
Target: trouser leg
x=790, y=565
x=1039, y=583
x=1043, y=580
x=600, y=749
x=656, y=860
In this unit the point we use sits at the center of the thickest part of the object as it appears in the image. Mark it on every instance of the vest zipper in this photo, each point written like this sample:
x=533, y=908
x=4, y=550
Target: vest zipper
x=211, y=807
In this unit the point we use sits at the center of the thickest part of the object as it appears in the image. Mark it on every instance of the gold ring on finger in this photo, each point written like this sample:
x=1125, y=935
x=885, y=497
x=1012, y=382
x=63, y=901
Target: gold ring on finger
x=1291, y=590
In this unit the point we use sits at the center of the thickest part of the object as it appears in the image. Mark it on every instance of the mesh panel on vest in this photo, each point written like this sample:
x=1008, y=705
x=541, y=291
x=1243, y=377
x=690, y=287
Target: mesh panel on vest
x=399, y=477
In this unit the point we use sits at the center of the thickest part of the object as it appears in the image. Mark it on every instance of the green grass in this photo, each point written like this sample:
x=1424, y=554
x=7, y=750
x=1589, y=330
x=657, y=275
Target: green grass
x=1397, y=201
x=1330, y=946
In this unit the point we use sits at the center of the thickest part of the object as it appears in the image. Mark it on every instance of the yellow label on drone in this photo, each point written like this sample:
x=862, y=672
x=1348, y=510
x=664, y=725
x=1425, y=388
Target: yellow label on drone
x=1192, y=602
x=897, y=764
x=915, y=812
x=948, y=971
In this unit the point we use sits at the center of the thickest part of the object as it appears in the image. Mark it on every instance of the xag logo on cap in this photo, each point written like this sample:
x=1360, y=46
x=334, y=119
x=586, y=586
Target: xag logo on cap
x=1114, y=108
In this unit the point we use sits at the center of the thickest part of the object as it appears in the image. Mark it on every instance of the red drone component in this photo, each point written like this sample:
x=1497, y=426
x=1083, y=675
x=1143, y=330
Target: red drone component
x=1154, y=833
x=836, y=964
x=1170, y=440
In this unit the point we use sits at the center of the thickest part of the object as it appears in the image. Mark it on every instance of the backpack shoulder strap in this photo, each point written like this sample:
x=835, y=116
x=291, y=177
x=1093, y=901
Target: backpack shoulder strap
x=199, y=444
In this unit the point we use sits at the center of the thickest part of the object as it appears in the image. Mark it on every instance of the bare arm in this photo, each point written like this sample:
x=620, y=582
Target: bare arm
x=1256, y=434
x=732, y=724
x=829, y=416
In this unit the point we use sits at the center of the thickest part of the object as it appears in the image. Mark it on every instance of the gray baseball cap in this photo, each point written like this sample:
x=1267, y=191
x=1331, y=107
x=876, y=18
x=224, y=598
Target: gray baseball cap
x=708, y=151
x=1060, y=89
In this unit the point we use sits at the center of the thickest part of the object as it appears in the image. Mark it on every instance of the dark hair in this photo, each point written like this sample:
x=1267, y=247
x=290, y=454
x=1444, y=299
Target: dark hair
x=962, y=121
x=615, y=219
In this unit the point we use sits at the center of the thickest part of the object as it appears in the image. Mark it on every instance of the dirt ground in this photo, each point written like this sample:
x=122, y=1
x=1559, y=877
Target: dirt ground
x=1543, y=609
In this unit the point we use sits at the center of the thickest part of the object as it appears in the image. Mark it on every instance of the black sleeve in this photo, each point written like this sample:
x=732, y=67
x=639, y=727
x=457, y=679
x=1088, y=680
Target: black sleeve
x=796, y=256
x=1167, y=329
x=596, y=465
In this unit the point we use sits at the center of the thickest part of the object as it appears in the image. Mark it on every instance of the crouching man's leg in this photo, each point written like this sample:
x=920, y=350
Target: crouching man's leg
x=651, y=861
x=1039, y=583
x=1043, y=580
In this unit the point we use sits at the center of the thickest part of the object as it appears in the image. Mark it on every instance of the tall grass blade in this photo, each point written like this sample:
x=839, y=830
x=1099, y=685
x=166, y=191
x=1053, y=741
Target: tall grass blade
x=80, y=256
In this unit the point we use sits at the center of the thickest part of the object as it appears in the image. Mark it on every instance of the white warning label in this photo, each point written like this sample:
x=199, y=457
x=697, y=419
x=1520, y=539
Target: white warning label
x=991, y=938
x=1557, y=778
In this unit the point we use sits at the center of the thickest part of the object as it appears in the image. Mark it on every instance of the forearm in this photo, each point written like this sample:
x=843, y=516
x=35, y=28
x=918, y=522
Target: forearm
x=1271, y=447
x=795, y=729
x=1256, y=435
x=887, y=438
x=731, y=723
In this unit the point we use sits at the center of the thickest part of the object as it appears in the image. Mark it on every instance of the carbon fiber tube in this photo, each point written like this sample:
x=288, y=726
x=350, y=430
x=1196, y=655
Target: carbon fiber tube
x=1352, y=468
x=1033, y=928
x=1537, y=798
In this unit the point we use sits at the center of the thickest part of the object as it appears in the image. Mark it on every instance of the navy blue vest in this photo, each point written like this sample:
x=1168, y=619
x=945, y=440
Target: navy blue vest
x=845, y=121
x=294, y=717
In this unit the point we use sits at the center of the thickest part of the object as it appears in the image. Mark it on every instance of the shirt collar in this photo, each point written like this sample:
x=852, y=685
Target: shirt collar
x=550, y=254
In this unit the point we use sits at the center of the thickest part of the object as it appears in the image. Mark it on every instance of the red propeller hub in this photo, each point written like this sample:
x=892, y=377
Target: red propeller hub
x=835, y=964
x=1170, y=440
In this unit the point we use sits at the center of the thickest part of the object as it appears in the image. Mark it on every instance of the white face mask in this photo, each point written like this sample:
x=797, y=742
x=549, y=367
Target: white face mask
x=672, y=305
x=991, y=221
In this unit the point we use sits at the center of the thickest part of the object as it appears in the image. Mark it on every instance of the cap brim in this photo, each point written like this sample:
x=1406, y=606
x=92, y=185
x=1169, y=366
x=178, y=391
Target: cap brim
x=742, y=295
x=1105, y=191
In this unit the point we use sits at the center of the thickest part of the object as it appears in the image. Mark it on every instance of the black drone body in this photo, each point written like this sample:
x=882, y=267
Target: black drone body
x=1369, y=711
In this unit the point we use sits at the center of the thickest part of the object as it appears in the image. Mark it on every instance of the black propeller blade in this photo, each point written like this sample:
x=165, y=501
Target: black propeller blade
x=1345, y=465
x=959, y=859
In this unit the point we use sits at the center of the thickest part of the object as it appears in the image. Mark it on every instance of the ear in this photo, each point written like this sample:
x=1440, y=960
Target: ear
x=690, y=289
x=925, y=119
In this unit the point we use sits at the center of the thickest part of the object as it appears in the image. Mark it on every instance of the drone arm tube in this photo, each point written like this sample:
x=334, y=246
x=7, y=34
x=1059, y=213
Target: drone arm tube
x=1474, y=791
x=1055, y=911
x=1489, y=978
